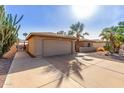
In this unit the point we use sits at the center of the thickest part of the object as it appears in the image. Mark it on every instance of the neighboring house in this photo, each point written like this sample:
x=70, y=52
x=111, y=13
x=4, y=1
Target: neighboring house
x=90, y=45
x=50, y=44
x=85, y=43
x=99, y=43
x=121, y=51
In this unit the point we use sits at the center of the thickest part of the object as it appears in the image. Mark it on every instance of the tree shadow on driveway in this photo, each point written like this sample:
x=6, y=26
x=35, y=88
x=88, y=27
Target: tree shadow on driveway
x=66, y=64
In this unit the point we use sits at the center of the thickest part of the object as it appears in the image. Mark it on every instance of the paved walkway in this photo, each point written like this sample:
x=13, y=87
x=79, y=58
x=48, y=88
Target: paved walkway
x=64, y=71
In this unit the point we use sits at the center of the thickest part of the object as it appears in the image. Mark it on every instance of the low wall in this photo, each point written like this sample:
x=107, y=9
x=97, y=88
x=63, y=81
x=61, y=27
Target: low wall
x=11, y=52
x=87, y=49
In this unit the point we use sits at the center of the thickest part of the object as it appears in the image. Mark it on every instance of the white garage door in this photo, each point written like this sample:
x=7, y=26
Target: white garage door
x=56, y=47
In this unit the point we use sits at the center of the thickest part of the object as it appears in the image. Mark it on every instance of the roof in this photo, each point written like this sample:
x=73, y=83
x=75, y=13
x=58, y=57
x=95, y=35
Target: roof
x=93, y=40
x=49, y=34
x=86, y=40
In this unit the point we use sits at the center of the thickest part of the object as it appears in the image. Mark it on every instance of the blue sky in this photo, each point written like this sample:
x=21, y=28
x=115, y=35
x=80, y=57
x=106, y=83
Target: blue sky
x=53, y=18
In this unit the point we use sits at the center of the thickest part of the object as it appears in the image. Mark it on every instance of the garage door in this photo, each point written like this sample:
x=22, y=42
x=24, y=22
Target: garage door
x=56, y=47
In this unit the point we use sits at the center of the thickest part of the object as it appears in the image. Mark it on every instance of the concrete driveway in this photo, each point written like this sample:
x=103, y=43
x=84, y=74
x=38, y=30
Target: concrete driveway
x=72, y=71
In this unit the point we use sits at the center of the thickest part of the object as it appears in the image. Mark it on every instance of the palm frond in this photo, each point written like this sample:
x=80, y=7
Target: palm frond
x=86, y=33
x=77, y=29
x=71, y=32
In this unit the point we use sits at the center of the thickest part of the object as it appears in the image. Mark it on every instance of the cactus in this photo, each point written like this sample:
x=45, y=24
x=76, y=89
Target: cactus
x=8, y=29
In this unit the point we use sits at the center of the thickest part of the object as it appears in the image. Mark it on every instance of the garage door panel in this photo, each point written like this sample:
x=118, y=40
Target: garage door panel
x=56, y=47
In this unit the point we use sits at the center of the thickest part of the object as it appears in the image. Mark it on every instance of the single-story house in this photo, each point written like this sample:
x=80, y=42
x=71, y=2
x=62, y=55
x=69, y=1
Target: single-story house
x=86, y=45
x=50, y=44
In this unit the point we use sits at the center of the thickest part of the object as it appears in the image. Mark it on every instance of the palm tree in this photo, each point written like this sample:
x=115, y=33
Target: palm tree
x=24, y=34
x=119, y=36
x=121, y=31
x=114, y=37
x=77, y=31
x=109, y=35
x=105, y=35
x=61, y=32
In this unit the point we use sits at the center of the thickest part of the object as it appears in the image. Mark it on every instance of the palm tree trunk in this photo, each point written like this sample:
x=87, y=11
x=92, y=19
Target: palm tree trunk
x=112, y=44
x=24, y=46
x=77, y=44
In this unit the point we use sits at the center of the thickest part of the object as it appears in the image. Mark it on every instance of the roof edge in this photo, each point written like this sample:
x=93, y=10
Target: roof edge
x=50, y=35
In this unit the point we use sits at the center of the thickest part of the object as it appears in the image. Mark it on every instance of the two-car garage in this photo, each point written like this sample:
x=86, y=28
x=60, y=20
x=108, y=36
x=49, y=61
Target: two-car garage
x=47, y=44
x=56, y=47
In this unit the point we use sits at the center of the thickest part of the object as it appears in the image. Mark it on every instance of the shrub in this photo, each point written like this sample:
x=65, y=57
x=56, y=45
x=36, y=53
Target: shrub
x=100, y=49
x=107, y=48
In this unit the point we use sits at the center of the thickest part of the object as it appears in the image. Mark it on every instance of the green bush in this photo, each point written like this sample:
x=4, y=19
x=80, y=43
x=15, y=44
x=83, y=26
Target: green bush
x=108, y=48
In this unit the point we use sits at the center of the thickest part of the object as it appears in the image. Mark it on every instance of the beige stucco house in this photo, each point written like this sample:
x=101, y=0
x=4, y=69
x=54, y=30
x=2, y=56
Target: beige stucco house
x=86, y=45
x=50, y=44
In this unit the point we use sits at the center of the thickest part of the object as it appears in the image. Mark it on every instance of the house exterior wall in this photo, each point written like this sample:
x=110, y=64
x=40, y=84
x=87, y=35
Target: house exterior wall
x=73, y=47
x=31, y=46
x=38, y=46
x=98, y=44
x=85, y=43
x=93, y=46
x=87, y=49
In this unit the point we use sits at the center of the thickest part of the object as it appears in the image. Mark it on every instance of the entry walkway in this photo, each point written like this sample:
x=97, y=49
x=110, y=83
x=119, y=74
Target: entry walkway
x=72, y=71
